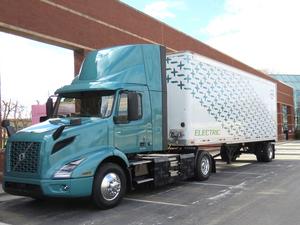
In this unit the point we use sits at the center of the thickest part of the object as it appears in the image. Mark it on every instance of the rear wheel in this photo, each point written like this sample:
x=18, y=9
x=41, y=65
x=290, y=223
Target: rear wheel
x=265, y=152
x=267, y=155
x=203, y=166
x=109, y=186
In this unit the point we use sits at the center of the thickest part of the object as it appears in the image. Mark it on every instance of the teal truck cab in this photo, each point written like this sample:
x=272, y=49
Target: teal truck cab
x=105, y=133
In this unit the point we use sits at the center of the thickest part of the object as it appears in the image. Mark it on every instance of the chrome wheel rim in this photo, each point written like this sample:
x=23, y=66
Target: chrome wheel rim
x=110, y=186
x=205, y=165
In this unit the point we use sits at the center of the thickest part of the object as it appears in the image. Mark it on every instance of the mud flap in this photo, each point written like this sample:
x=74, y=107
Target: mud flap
x=213, y=164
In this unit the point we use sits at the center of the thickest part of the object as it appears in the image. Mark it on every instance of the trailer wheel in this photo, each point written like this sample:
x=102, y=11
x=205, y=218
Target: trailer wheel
x=264, y=152
x=109, y=186
x=258, y=158
x=203, y=166
x=267, y=152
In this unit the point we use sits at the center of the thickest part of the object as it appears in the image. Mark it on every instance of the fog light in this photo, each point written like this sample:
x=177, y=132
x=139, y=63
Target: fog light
x=65, y=187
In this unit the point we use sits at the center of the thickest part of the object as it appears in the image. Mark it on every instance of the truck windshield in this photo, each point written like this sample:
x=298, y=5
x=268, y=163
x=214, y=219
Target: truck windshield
x=85, y=104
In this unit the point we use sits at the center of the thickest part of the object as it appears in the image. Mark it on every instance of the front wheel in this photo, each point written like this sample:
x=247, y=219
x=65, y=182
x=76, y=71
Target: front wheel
x=203, y=166
x=109, y=186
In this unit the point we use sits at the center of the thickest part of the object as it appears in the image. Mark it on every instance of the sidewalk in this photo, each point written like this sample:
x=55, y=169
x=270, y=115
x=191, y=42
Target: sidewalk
x=288, y=142
x=1, y=189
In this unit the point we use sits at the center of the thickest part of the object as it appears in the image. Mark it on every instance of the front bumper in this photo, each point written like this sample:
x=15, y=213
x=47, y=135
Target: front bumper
x=69, y=188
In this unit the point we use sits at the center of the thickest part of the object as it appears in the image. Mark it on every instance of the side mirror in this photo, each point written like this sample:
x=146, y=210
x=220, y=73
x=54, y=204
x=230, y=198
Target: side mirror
x=49, y=107
x=133, y=106
x=9, y=129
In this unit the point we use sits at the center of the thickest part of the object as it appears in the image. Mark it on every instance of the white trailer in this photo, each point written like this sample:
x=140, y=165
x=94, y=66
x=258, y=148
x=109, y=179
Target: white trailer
x=212, y=103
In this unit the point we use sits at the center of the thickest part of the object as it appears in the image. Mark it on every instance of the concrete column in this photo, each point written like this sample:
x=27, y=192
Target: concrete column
x=79, y=55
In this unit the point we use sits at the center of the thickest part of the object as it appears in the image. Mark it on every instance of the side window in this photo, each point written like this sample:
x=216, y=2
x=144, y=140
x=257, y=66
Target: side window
x=124, y=104
x=123, y=107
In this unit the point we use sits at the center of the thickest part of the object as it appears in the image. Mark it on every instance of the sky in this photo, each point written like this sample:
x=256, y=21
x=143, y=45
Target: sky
x=264, y=34
x=261, y=33
x=31, y=71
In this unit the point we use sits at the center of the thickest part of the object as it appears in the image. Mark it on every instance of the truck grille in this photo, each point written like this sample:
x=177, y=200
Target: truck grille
x=24, y=157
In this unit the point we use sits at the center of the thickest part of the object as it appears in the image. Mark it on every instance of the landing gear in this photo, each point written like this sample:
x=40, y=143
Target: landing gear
x=229, y=153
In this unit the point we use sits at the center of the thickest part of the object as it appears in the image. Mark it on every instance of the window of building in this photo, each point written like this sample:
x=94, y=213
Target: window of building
x=285, y=117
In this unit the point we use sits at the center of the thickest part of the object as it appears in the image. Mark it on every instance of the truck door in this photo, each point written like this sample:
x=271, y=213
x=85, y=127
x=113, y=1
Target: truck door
x=133, y=133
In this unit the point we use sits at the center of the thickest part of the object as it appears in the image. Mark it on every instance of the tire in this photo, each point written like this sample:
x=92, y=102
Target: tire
x=264, y=152
x=109, y=186
x=267, y=152
x=203, y=166
x=258, y=158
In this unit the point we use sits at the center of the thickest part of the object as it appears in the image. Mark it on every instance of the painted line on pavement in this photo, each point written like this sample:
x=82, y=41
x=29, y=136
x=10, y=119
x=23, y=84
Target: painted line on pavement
x=1, y=223
x=207, y=184
x=243, y=173
x=270, y=165
x=154, y=202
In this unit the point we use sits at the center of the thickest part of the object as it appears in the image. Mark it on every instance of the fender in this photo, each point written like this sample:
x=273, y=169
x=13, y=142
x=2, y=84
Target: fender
x=121, y=155
x=92, y=160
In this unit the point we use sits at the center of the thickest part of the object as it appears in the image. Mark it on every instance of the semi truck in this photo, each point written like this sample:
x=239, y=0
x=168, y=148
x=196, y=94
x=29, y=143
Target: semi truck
x=136, y=115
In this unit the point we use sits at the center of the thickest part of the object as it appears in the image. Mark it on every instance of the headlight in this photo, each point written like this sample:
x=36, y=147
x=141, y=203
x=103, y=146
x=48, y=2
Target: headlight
x=67, y=169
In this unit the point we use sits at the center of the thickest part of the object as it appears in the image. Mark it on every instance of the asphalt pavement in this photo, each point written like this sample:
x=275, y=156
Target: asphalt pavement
x=243, y=193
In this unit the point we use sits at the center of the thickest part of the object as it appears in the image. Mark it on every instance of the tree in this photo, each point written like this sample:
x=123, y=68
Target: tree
x=15, y=112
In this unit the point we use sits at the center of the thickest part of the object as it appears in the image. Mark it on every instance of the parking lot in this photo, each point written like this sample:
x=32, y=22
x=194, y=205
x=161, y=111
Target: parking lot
x=245, y=192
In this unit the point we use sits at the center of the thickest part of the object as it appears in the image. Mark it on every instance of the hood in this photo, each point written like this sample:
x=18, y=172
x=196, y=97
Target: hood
x=53, y=124
x=46, y=130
